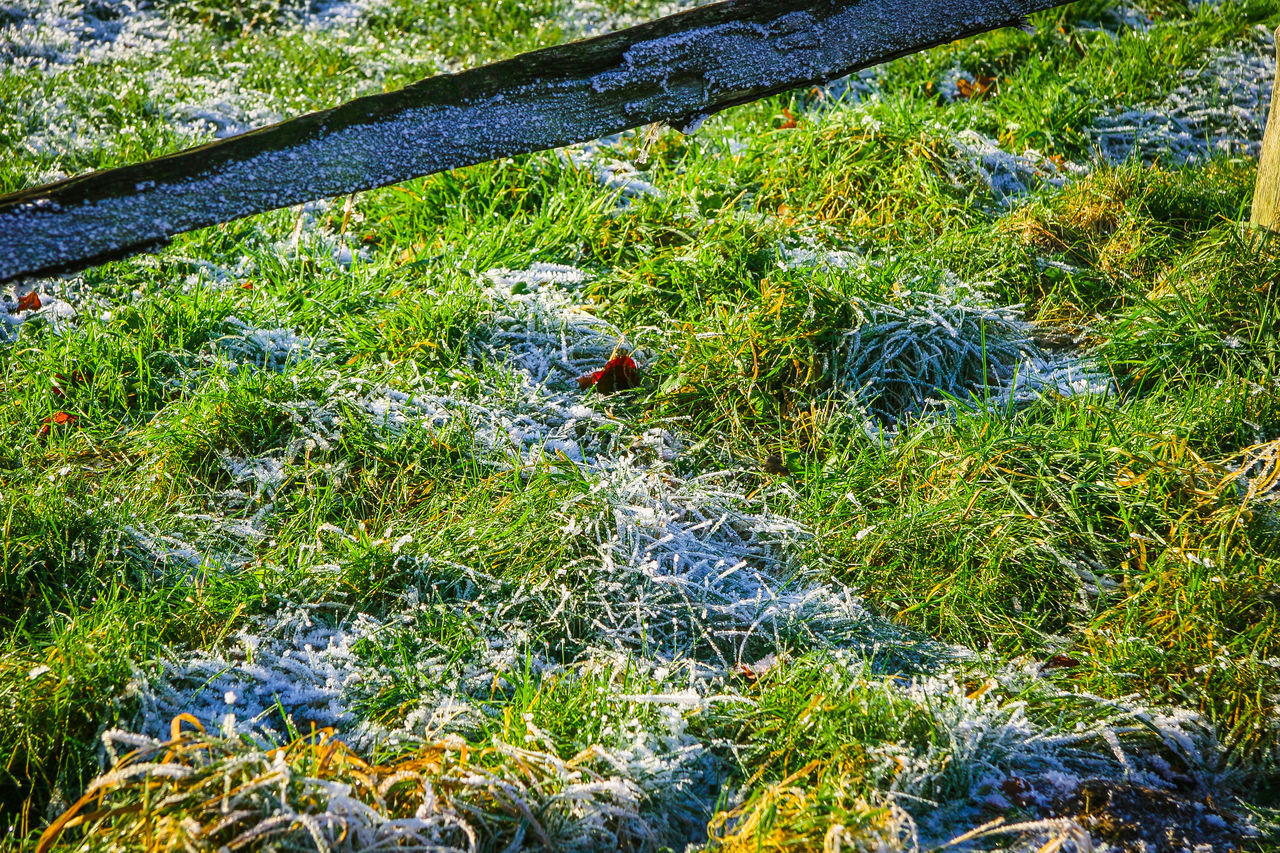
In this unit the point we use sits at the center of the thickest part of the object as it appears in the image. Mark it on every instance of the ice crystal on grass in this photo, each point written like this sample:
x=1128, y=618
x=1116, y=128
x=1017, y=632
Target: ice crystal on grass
x=1220, y=109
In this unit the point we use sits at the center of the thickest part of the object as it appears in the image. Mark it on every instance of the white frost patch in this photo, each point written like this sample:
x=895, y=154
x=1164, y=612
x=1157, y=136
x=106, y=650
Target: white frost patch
x=809, y=255
x=1220, y=109
x=266, y=474
x=268, y=349
x=46, y=34
x=38, y=34
x=1007, y=175
x=586, y=18
x=943, y=345
x=1118, y=17
x=544, y=341
x=222, y=108
x=61, y=300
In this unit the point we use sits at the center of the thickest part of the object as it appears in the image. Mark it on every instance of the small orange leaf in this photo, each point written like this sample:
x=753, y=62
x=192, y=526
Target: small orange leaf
x=981, y=88
x=56, y=419
x=29, y=302
x=790, y=121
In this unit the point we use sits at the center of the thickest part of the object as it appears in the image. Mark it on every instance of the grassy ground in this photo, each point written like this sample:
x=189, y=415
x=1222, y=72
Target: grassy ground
x=947, y=494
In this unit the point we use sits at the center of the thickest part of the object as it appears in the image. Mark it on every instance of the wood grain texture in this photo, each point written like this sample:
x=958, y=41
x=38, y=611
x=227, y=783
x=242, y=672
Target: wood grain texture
x=674, y=69
x=1266, y=192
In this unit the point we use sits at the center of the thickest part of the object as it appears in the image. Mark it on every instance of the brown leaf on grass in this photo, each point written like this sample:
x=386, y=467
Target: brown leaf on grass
x=1018, y=791
x=29, y=301
x=789, y=120
x=1059, y=662
x=981, y=88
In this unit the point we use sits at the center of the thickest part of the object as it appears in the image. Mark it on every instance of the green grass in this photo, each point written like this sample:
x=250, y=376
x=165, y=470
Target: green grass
x=1102, y=535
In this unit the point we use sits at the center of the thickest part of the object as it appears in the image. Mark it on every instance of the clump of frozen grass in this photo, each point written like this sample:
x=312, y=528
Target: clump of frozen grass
x=312, y=239
x=994, y=749
x=807, y=254
x=297, y=669
x=266, y=474
x=955, y=746
x=1220, y=109
x=1008, y=176
x=538, y=340
x=167, y=551
x=266, y=349
x=541, y=328
x=929, y=348
x=195, y=789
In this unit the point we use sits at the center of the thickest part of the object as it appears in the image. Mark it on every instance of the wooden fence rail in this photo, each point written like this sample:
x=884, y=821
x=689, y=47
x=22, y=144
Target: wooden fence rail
x=675, y=69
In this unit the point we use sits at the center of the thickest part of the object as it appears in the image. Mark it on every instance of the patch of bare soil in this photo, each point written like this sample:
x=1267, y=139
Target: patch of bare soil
x=1144, y=820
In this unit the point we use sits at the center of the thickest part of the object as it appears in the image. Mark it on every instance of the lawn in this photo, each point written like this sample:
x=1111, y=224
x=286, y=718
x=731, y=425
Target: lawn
x=942, y=503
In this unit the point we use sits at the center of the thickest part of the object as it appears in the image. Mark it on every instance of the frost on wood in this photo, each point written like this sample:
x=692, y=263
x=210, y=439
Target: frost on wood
x=673, y=69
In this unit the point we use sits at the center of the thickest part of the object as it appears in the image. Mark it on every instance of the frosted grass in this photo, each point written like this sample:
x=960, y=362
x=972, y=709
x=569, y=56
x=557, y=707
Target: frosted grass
x=685, y=579
x=1220, y=109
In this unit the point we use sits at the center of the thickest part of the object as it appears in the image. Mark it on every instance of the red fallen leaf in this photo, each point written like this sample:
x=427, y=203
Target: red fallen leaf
x=29, y=302
x=618, y=374
x=1059, y=662
x=56, y=419
x=790, y=120
x=248, y=285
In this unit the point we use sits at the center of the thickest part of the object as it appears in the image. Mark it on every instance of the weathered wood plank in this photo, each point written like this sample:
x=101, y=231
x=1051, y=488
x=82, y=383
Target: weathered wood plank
x=1266, y=193
x=673, y=69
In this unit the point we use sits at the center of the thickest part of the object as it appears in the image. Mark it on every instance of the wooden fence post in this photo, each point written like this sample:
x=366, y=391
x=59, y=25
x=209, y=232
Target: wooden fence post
x=1266, y=193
